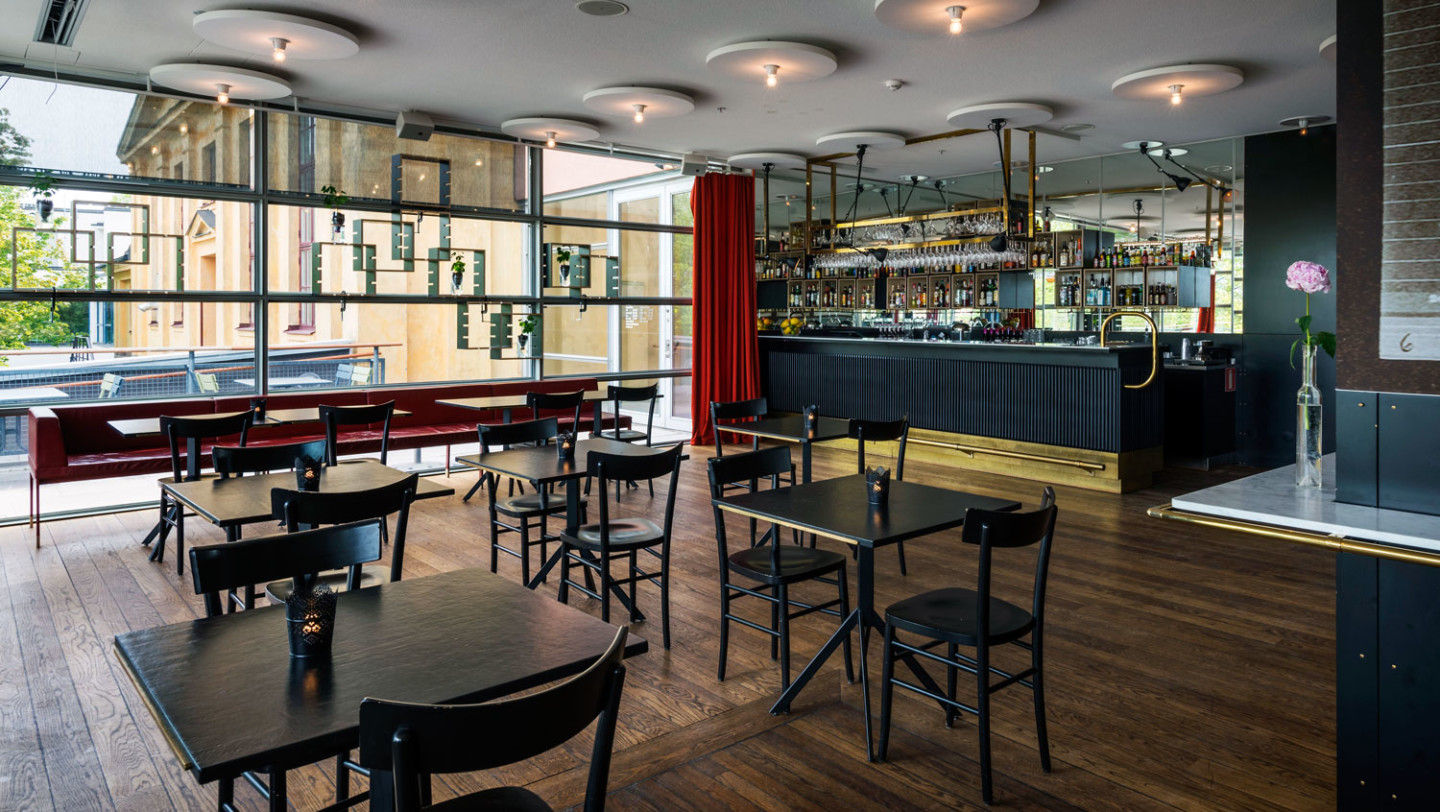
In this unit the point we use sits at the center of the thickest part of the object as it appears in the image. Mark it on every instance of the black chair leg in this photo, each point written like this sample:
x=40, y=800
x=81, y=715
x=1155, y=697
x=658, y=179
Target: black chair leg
x=952, y=680
x=900, y=547
x=564, y=595
x=342, y=777
x=605, y=589
x=665, y=601
x=634, y=571
x=278, y=800
x=775, y=625
x=494, y=541
x=724, y=627
x=1038, y=680
x=844, y=613
x=887, y=690
x=524, y=551
x=179, y=539
x=784, y=636
x=982, y=704
x=225, y=794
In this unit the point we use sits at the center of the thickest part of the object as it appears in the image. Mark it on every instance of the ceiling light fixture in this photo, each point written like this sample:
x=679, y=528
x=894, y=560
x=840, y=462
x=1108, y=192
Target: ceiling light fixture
x=999, y=241
x=550, y=138
x=770, y=79
x=222, y=94
x=1181, y=183
x=955, y=25
x=639, y=113
x=1175, y=95
x=184, y=129
x=277, y=48
x=1304, y=123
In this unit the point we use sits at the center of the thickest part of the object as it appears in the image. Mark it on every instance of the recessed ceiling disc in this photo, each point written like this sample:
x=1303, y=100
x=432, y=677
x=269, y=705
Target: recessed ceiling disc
x=1175, y=152
x=1197, y=80
x=1327, y=47
x=251, y=30
x=1016, y=114
x=538, y=128
x=798, y=61
x=757, y=160
x=851, y=141
x=1304, y=121
x=933, y=16
x=204, y=80
x=621, y=101
x=1149, y=144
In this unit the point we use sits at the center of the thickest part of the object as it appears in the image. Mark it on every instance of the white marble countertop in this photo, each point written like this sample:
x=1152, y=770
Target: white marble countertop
x=1272, y=498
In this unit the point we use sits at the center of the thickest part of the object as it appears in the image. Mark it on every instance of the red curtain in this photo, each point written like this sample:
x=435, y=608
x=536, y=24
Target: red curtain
x=726, y=363
x=1207, y=314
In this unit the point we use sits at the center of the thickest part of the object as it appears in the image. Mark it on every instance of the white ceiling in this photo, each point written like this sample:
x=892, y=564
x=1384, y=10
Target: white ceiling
x=484, y=61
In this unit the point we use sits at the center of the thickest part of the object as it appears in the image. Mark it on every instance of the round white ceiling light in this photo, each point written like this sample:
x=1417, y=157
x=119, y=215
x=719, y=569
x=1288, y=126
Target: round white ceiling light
x=653, y=102
x=602, y=8
x=550, y=130
x=758, y=160
x=221, y=81
x=852, y=141
x=1146, y=143
x=1304, y=123
x=1015, y=114
x=946, y=16
x=1178, y=82
x=273, y=34
x=773, y=62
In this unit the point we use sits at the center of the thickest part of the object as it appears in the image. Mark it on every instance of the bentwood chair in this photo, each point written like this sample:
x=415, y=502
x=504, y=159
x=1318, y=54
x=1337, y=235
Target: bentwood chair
x=976, y=619
x=179, y=431
x=262, y=459
x=336, y=416
x=874, y=431
x=594, y=546
x=527, y=512
x=632, y=394
x=775, y=566
x=218, y=568
x=414, y=741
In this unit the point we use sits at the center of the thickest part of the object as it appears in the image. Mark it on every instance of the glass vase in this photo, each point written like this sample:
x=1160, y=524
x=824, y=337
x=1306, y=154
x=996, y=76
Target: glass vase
x=1308, y=420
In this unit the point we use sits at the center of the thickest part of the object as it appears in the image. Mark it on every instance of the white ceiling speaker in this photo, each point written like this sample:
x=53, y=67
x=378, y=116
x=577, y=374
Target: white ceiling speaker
x=550, y=130
x=279, y=36
x=773, y=62
x=758, y=160
x=414, y=126
x=946, y=16
x=1327, y=47
x=602, y=8
x=220, y=81
x=1178, y=82
x=1016, y=114
x=654, y=102
x=693, y=163
x=851, y=141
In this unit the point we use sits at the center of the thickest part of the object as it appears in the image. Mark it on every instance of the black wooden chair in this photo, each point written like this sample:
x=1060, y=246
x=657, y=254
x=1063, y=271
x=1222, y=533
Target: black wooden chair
x=776, y=566
x=528, y=511
x=333, y=417
x=594, y=545
x=219, y=568
x=315, y=508
x=975, y=619
x=414, y=741
x=262, y=459
x=738, y=411
x=568, y=403
x=875, y=431
x=179, y=431
x=631, y=394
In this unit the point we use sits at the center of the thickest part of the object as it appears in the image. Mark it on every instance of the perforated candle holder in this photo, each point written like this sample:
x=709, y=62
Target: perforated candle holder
x=257, y=405
x=310, y=616
x=877, y=486
x=307, y=474
x=565, y=446
x=812, y=421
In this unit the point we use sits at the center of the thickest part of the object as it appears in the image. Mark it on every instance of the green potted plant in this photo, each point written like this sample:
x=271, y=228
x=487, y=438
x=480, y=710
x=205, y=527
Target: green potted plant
x=527, y=326
x=334, y=199
x=44, y=187
x=457, y=272
x=562, y=261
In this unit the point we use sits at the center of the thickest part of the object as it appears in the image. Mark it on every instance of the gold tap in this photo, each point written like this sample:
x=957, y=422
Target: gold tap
x=1154, y=343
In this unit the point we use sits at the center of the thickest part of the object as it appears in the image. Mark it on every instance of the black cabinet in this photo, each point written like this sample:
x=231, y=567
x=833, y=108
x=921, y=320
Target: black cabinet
x=1017, y=290
x=1200, y=404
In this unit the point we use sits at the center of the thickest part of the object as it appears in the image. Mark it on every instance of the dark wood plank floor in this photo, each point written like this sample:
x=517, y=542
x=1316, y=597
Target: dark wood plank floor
x=1188, y=668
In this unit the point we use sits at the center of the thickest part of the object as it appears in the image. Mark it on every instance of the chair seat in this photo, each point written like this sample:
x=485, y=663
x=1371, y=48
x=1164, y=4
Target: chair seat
x=624, y=534
x=528, y=504
x=949, y=615
x=796, y=563
x=517, y=799
x=370, y=575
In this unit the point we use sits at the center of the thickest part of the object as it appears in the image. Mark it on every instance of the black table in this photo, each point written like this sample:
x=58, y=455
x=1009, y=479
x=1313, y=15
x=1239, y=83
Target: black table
x=229, y=698
x=791, y=429
x=507, y=404
x=238, y=501
x=838, y=509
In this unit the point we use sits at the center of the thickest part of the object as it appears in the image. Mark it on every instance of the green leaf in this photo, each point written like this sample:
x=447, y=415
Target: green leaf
x=1304, y=322
x=1326, y=342
x=1292, y=351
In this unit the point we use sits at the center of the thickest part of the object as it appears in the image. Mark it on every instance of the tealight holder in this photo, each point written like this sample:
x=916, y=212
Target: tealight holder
x=257, y=405
x=812, y=421
x=565, y=445
x=310, y=616
x=307, y=474
x=877, y=485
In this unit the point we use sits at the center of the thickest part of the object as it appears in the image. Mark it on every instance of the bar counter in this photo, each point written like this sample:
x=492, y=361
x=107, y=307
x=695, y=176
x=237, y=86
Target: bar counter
x=1044, y=411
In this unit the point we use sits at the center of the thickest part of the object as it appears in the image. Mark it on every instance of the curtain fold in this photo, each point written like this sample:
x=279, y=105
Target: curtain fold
x=726, y=363
x=1207, y=314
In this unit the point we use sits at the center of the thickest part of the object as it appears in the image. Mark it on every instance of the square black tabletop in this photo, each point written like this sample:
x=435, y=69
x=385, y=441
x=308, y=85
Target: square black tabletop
x=149, y=426
x=839, y=509
x=227, y=694
x=790, y=427
x=246, y=500
x=542, y=464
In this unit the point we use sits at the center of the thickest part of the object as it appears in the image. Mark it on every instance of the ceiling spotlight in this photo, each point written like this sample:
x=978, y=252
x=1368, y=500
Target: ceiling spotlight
x=479, y=162
x=222, y=93
x=770, y=78
x=184, y=129
x=277, y=48
x=955, y=24
x=550, y=138
x=639, y=113
x=1175, y=94
x=154, y=149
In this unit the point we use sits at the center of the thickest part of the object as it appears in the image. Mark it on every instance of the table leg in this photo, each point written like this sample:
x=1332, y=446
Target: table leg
x=805, y=461
x=599, y=419
x=572, y=525
x=192, y=458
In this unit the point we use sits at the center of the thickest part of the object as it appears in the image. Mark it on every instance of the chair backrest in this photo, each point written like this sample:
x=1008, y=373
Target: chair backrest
x=217, y=568
x=990, y=529
x=210, y=426
x=414, y=741
x=747, y=468
x=360, y=375
x=570, y=402
x=110, y=385
x=260, y=459
x=207, y=383
x=526, y=431
x=362, y=415
x=634, y=394
x=752, y=409
x=344, y=374
x=610, y=468
x=877, y=431
x=296, y=508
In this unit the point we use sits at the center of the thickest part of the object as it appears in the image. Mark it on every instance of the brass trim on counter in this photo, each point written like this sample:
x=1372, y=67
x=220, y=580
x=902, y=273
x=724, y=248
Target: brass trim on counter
x=1154, y=343
x=1332, y=542
x=971, y=451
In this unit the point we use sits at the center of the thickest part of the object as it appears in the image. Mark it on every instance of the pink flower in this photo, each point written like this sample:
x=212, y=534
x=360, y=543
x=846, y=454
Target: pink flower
x=1308, y=277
